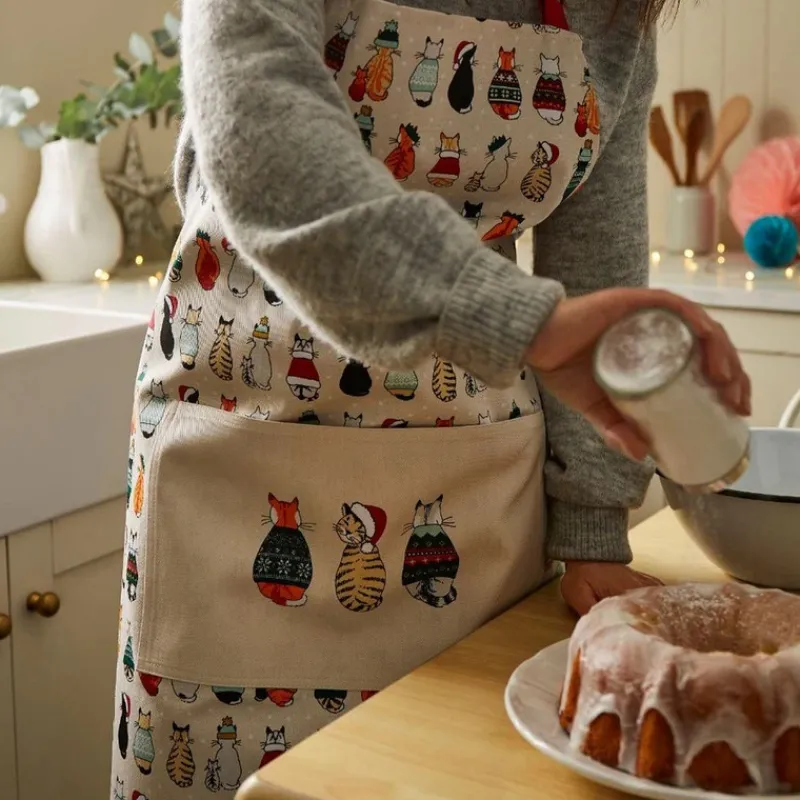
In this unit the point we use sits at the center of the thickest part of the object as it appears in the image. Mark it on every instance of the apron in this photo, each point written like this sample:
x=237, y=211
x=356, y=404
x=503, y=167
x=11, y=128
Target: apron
x=299, y=519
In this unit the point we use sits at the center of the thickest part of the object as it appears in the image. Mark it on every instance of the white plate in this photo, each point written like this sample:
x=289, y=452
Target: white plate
x=532, y=697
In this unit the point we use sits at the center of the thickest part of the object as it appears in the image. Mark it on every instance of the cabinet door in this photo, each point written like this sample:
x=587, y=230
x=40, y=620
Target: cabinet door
x=8, y=756
x=64, y=664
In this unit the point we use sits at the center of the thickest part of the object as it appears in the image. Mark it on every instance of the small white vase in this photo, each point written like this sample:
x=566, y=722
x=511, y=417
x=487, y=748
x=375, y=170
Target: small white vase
x=691, y=220
x=72, y=229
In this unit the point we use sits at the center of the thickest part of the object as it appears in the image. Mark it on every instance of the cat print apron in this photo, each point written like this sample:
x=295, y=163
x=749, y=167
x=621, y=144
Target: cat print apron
x=303, y=529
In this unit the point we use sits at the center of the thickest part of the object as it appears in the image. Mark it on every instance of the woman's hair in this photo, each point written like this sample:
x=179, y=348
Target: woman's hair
x=651, y=10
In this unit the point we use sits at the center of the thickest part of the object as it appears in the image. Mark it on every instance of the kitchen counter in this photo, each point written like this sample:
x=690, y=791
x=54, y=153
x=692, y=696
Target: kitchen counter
x=729, y=281
x=442, y=732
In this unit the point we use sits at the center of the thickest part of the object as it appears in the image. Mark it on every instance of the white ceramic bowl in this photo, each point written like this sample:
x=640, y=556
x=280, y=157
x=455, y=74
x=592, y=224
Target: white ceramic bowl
x=752, y=529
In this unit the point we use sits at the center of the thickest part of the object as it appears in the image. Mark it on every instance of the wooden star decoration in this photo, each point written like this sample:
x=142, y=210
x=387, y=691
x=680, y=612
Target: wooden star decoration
x=138, y=198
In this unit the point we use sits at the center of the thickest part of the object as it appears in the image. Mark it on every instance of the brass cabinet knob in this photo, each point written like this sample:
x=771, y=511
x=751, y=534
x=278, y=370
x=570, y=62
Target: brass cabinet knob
x=5, y=626
x=46, y=605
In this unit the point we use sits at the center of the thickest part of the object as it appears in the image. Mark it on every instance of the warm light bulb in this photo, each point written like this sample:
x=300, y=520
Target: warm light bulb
x=688, y=253
x=139, y=260
x=153, y=280
x=720, y=248
x=101, y=275
x=655, y=257
x=750, y=275
x=720, y=259
x=691, y=265
x=159, y=275
x=789, y=272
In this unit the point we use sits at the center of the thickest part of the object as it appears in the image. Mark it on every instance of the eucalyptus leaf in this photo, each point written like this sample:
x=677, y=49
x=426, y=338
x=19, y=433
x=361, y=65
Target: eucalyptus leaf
x=166, y=45
x=12, y=107
x=173, y=25
x=30, y=97
x=139, y=49
x=32, y=137
x=122, y=65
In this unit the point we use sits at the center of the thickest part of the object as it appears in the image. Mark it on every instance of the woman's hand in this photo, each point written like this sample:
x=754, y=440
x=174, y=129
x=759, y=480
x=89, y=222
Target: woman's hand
x=587, y=582
x=563, y=350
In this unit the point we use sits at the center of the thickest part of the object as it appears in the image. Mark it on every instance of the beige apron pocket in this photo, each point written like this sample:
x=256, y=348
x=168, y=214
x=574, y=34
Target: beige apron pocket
x=308, y=556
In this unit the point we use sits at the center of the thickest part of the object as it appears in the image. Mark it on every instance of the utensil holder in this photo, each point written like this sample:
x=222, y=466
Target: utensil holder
x=691, y=220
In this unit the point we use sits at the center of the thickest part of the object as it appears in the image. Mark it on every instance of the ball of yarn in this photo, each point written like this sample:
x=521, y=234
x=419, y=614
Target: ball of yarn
x=772, y=241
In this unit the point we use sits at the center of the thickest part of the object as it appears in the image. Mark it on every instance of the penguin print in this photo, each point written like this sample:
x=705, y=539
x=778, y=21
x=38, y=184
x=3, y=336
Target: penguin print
x=431, y=563
x=336, y=46
x=282, y=568
x=355, y=380
x=548, y=96
x=166, y=337
x=153, y=410
x=425, y=76
x=461, y=91
x=332, y=700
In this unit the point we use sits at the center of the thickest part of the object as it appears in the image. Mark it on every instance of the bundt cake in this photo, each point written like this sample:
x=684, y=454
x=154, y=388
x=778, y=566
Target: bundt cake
x=692, y=685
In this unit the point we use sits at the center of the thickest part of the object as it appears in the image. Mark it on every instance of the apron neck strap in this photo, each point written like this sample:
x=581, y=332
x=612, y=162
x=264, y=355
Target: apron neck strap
x=553, y=14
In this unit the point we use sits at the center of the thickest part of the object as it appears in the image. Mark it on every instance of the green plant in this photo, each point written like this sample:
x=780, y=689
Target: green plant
x=15, y=104
x=142, y=88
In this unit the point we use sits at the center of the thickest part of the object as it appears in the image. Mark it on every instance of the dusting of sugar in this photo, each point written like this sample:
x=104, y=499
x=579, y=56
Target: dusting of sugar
x=693, y=652
x=643, y=352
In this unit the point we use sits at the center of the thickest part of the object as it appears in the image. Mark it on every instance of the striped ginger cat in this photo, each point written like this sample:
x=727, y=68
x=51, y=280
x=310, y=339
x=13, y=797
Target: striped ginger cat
x=361, y=576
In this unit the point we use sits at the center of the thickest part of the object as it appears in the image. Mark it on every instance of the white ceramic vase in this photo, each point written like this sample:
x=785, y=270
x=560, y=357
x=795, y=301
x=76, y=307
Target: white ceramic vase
x=72, y=229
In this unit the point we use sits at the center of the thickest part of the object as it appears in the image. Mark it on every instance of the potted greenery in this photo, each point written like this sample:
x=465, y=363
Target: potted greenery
x=72, y=230
x=14, y=106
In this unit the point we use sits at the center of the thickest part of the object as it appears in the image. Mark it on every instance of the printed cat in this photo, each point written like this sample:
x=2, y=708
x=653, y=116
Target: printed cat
x=221, y=357
x=401, y=161
x=190, y=336
x=539, y=178
x=274, y=745
x=425, y=77
x=180, y=762
x=447, y=169
x=353, y=422
x=361, y=576
x=240, y=276
x=472, y=212
x=143, y=749
x=228, y=403
x=257, y=363
x=302, y=376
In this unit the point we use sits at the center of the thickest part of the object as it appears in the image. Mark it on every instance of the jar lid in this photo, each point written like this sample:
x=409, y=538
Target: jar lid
x=642, y=352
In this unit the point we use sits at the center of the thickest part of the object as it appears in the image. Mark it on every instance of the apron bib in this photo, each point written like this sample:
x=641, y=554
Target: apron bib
x=300, y=519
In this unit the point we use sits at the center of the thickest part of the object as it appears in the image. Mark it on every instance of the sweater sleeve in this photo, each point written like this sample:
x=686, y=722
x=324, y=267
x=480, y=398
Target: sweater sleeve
x=597, y=240
x=386, y=275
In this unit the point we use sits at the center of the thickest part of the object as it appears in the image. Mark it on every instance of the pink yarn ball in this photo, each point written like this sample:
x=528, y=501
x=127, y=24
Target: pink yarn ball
x=767, y=183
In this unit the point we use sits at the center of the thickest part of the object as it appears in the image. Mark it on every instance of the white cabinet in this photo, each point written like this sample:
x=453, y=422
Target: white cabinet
x=8, y=759
x=61, y=665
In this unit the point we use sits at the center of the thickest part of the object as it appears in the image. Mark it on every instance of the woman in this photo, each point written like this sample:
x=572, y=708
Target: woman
x=353, y=175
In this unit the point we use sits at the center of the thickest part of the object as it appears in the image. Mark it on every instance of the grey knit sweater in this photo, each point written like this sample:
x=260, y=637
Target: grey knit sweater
x=327, y=225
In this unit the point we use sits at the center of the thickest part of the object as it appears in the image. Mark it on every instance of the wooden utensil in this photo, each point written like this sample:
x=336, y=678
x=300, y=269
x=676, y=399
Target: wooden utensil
x=694, y=140
x=685, y=104
x=733, y=118
x=661, y=139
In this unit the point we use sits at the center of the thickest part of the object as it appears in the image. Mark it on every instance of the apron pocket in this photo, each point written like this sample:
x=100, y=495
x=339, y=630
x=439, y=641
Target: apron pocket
x=307, y=556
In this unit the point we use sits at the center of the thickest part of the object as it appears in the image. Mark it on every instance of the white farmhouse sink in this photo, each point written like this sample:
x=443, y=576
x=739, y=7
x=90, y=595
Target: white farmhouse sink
x=66, y=388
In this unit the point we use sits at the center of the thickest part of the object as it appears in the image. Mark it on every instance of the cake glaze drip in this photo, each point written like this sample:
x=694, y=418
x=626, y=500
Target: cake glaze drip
x=720, y=663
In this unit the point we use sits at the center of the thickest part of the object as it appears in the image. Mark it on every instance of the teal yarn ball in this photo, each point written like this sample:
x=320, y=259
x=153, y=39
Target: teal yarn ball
x=772, y=241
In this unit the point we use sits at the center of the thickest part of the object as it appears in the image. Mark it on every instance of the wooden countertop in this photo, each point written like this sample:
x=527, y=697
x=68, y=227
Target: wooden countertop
x=442, y=733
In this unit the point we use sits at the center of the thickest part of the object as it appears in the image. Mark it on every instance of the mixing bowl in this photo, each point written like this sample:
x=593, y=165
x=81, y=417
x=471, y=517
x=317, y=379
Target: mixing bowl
x=752, y=529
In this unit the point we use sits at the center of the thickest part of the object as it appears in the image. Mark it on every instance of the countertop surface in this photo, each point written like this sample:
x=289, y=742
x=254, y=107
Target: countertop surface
x=442, y=732
x=734, y=283
x=728, y=281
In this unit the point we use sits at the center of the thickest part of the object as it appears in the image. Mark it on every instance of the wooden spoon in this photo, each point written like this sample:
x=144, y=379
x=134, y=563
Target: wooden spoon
x=694, y=140
x=685, y=104
x=733, y=118
x=661, y=139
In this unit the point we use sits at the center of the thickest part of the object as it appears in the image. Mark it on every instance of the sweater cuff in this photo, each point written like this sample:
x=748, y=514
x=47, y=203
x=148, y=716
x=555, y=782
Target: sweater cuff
x=581, y=533
x=492, y=315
